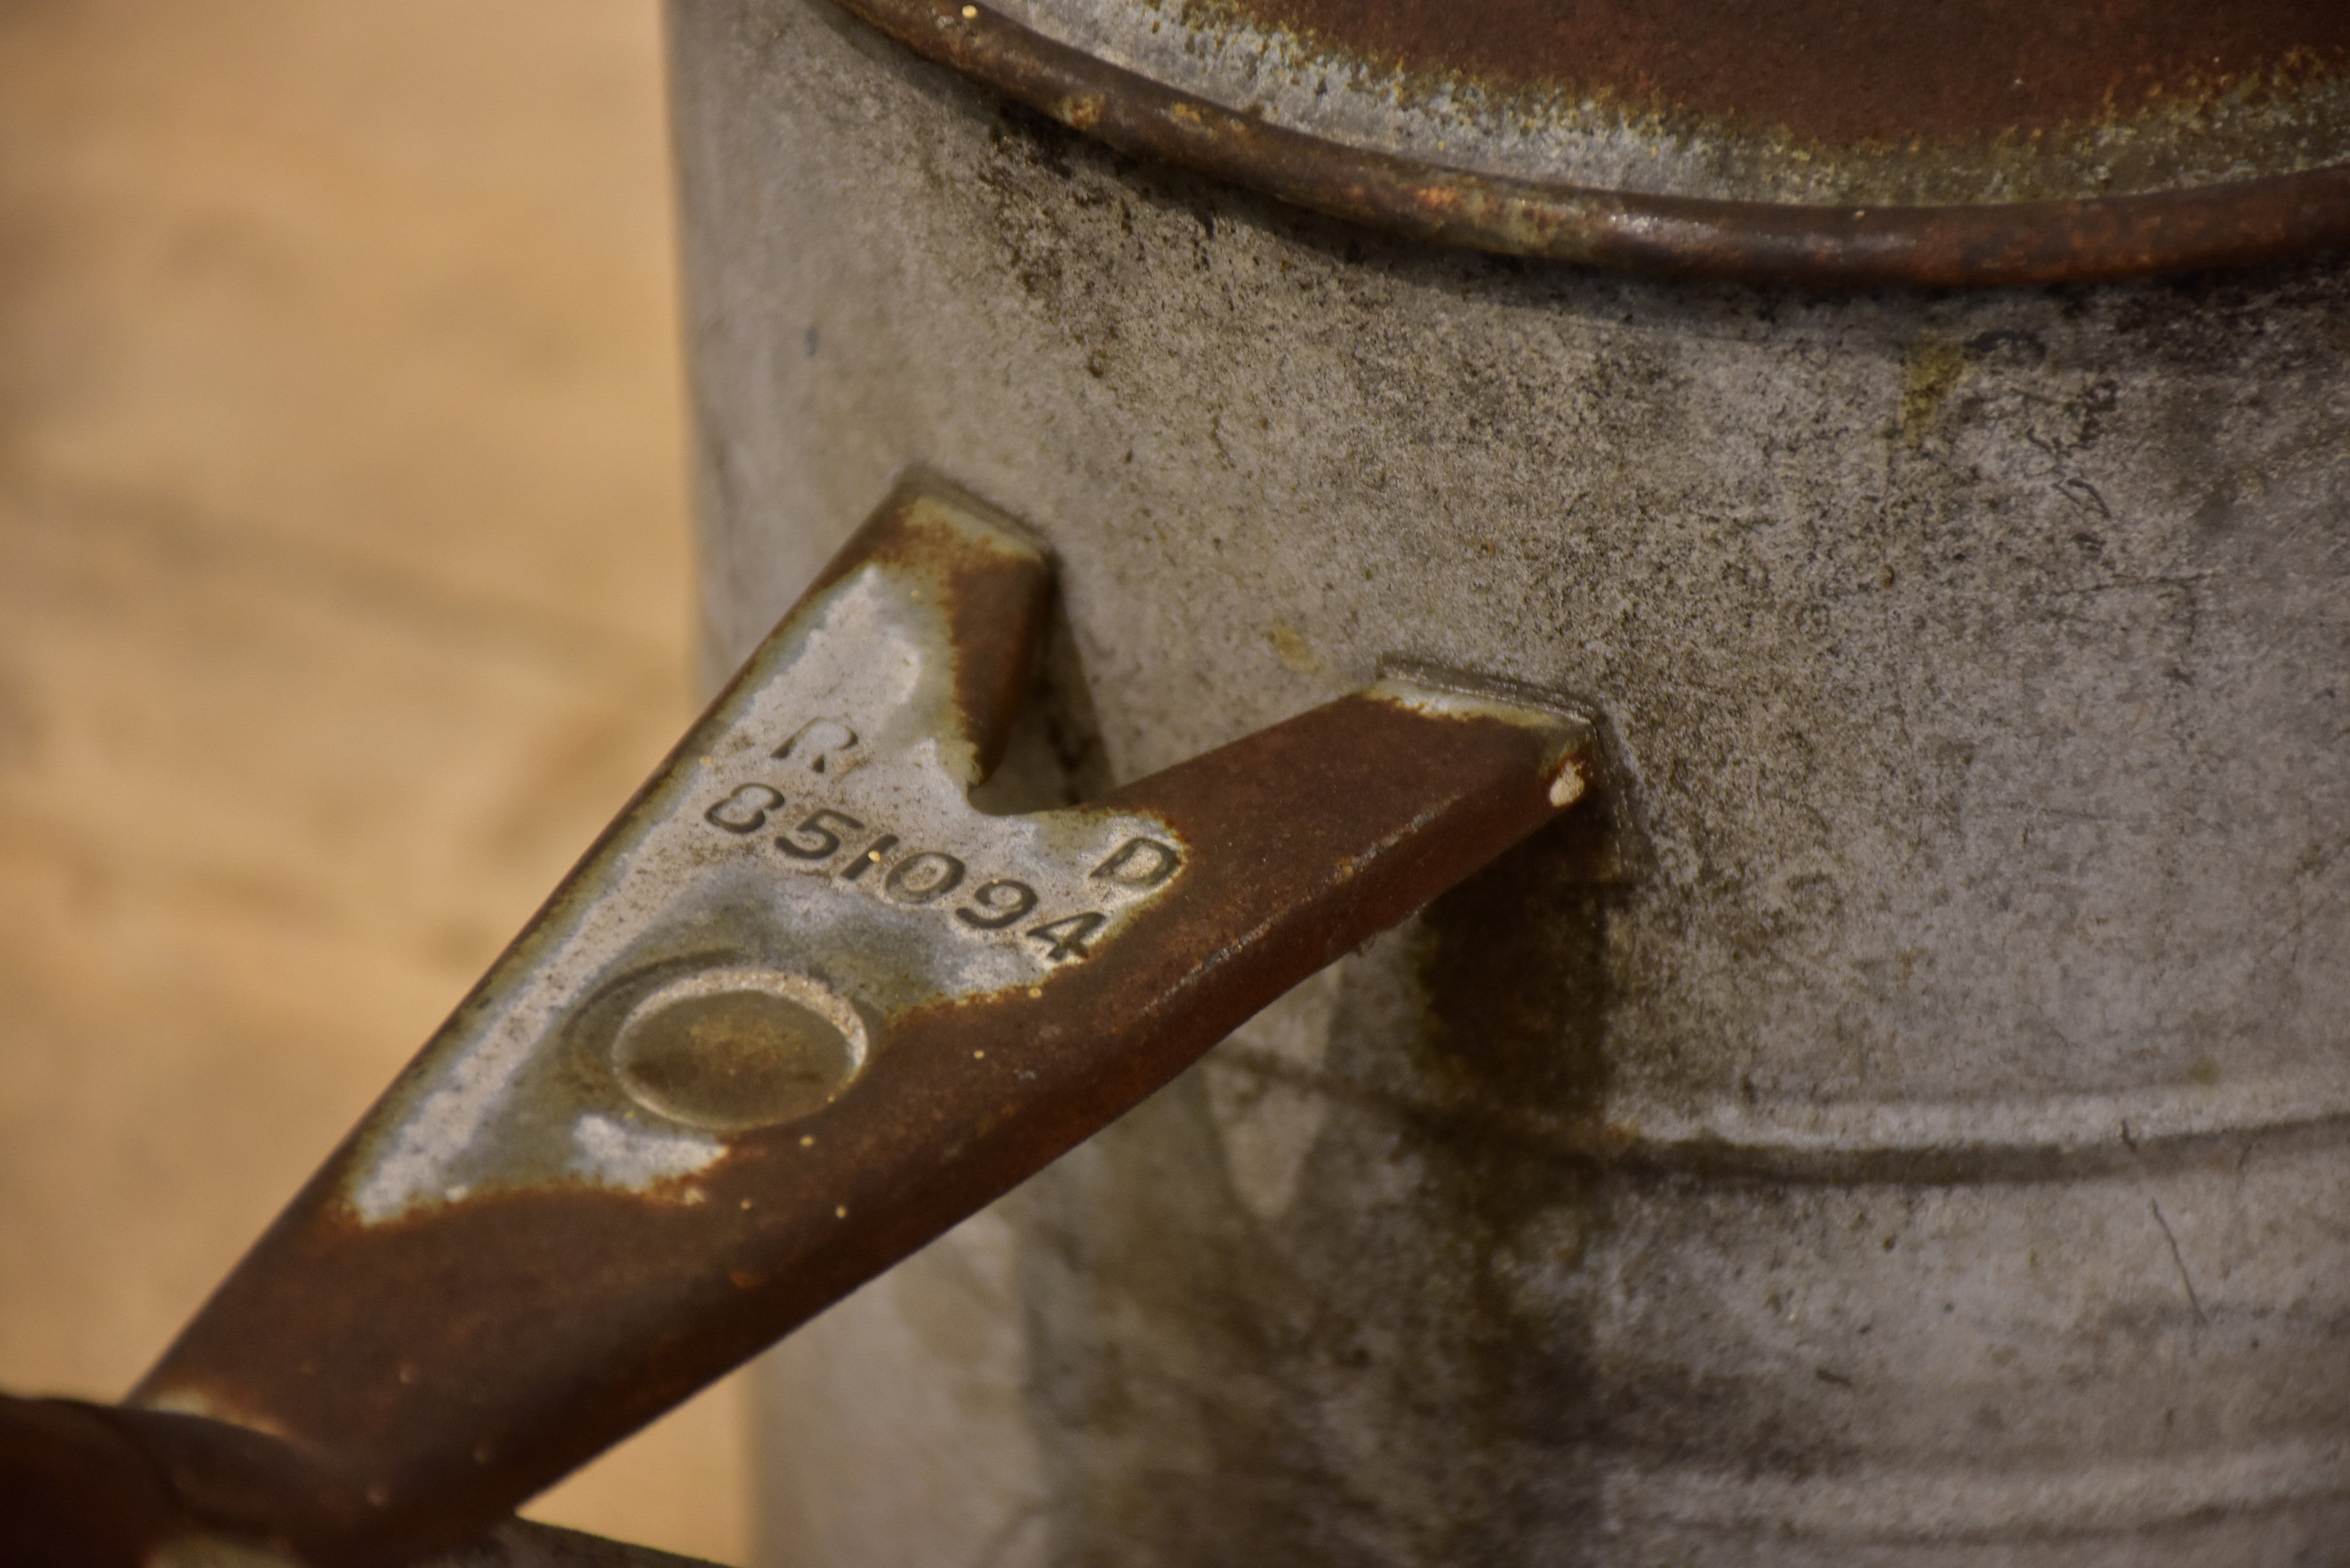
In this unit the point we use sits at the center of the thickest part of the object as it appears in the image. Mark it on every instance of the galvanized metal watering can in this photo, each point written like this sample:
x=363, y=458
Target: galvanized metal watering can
x=1886, y=1109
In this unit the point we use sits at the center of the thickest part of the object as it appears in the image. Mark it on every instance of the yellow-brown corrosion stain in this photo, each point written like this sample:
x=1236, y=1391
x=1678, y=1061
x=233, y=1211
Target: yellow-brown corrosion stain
x=1933, y=367
x=1293, y=649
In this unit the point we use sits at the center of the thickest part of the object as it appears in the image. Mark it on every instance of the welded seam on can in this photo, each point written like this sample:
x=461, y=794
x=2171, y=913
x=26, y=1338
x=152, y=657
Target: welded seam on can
x=1938, y=1143
x=1889, y=1506
x=2229, y=225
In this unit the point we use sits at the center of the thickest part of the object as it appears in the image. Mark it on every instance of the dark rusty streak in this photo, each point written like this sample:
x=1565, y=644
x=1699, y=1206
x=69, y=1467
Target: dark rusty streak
x=996, y=619
x=2234, y=223
x=995, y=604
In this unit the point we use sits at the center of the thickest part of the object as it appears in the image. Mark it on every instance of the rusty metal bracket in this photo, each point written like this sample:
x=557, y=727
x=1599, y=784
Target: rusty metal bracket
x=801, y=1009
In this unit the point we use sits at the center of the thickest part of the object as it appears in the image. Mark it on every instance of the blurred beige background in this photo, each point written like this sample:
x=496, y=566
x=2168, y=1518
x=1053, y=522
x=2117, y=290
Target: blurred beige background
x=343, y=594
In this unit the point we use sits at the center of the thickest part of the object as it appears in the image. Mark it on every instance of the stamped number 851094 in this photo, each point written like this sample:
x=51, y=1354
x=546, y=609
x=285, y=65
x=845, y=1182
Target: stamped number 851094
x=922, y=876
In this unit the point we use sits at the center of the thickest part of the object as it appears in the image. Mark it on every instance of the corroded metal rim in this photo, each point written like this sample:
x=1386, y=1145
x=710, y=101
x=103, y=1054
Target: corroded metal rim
x=2224, y=224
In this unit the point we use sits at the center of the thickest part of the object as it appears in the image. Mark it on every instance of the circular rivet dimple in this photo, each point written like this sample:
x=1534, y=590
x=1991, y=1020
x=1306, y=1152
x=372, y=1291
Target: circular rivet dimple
x=728, y=1049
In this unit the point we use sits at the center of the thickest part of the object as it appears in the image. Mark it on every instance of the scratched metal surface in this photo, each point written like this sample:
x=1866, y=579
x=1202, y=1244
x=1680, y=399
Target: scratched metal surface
x=1911, y=1135
x=1979, y=140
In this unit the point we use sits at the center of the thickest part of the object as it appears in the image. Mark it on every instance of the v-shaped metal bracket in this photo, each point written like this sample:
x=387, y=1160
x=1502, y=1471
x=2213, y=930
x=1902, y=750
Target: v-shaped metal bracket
x=801, y=1009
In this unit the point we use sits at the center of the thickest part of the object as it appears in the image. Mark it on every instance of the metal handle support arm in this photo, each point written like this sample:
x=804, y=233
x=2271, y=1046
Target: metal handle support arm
x=800, y=1009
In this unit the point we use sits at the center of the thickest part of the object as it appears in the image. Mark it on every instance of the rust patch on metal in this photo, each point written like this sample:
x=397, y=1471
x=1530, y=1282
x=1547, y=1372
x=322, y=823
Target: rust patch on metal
x=2259, y=210
x=524, y=1252
x=994, y=598
x=1831, y=72
x=75, y=1492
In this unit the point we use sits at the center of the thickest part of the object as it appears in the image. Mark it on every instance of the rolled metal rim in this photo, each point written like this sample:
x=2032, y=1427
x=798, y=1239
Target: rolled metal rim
x=2222, y=224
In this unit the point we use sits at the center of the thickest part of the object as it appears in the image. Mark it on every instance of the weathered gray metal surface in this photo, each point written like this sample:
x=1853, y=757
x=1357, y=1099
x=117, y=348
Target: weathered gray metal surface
x=1903, y=1127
